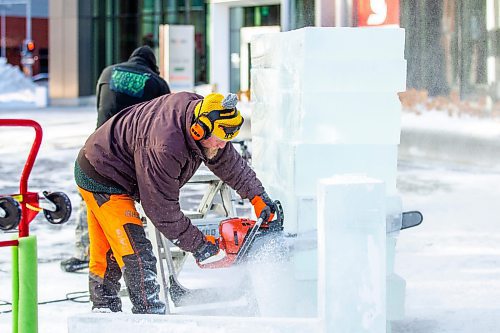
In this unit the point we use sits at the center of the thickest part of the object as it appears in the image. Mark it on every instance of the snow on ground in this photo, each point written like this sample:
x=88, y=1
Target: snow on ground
x=18, y=90
x=488, y=128
x=451, y=262
x=64, y=132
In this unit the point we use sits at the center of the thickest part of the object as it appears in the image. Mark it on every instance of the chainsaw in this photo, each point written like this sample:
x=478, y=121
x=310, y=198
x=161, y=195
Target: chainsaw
x=236, y=236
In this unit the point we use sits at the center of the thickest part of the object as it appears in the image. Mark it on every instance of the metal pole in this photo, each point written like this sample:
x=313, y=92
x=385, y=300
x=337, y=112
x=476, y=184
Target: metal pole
x=343, y=13
x=492, y=64
x=285, y=15
x=28, y=34
x=4, y=42
x=28, y=19
x=187, y=11
x=156, y=30
x=324, y=13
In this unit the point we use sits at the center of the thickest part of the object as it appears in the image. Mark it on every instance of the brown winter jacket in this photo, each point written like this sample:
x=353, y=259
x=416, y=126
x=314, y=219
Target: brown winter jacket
x=148, y=151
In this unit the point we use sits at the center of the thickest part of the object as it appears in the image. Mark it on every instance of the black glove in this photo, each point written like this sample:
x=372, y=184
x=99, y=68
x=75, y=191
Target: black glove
x=205, y=251
x=264, y=207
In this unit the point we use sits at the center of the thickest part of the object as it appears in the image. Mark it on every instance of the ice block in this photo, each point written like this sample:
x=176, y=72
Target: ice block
x=351, y=254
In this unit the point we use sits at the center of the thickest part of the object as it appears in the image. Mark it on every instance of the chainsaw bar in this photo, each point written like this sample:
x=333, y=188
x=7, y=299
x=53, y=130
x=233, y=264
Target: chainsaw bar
x=249, y=239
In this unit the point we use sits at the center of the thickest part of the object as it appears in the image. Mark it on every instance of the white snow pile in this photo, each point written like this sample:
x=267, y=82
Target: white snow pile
x=18, y=90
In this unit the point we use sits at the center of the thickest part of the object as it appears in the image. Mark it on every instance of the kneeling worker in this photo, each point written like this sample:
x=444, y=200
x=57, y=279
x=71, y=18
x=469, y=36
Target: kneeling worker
x=147, y=153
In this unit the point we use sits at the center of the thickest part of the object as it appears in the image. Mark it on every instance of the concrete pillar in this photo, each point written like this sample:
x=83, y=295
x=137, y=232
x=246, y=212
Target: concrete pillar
x=218, y=39
x=324, y=14
x=493, y=61
x=63, y=46
x=285, y=12
x=334, y=13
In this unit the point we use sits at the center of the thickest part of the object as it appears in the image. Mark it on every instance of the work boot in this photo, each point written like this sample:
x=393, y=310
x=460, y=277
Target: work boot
x=104, y=291
x=73, y=264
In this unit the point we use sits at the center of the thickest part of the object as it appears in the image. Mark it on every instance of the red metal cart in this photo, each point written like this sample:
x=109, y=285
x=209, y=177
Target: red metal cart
x=19, y=210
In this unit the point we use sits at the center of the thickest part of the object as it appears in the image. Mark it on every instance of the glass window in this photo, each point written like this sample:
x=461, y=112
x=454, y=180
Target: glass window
x=240, y=17
x=261, y=16
x=197, y=3
x=302, y=14
x=120, y=26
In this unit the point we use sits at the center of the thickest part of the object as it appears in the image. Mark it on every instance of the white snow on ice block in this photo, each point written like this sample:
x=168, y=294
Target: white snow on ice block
x=351, y=254
x=121, y=323
x=336, y=118
x=274, y=50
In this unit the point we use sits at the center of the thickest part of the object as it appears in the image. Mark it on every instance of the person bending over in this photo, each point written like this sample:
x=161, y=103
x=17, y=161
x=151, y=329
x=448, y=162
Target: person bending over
x=146, y=153
x=119, y=86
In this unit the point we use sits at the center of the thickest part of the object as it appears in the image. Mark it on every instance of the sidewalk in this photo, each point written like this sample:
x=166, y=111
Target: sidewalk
x=436, y=136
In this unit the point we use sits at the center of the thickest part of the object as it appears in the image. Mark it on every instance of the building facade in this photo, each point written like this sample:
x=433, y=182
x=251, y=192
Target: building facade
x=451, y=45
x=109, y=30
x=448, y=45
x=13, y=29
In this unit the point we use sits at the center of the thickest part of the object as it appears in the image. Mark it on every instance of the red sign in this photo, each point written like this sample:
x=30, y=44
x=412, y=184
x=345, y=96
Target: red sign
x=378, y=12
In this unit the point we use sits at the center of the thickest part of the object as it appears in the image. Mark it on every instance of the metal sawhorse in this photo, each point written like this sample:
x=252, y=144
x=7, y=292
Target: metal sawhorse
x=170, y=258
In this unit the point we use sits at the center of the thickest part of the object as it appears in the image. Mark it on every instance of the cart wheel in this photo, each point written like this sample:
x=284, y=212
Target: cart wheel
x=11, y=212
x=63, y=208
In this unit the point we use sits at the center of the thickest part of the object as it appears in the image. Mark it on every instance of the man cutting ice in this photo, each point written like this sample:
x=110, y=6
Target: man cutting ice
x=147, y=153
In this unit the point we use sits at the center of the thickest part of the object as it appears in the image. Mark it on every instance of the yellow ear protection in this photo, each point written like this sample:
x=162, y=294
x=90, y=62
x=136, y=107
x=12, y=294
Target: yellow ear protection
x=203, y=125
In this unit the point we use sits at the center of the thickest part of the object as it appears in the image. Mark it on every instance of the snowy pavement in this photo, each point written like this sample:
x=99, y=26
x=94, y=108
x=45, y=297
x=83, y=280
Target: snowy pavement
x=64, y=131
x=451, y=262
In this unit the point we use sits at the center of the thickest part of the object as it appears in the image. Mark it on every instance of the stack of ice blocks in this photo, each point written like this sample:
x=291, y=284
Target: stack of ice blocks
x=325, y=103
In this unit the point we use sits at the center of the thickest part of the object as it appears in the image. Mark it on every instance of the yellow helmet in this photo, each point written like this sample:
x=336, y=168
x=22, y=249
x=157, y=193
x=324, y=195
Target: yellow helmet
x=217, y=115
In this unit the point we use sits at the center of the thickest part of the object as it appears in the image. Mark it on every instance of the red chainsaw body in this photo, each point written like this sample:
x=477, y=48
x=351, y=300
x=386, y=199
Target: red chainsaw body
x=232, y=233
